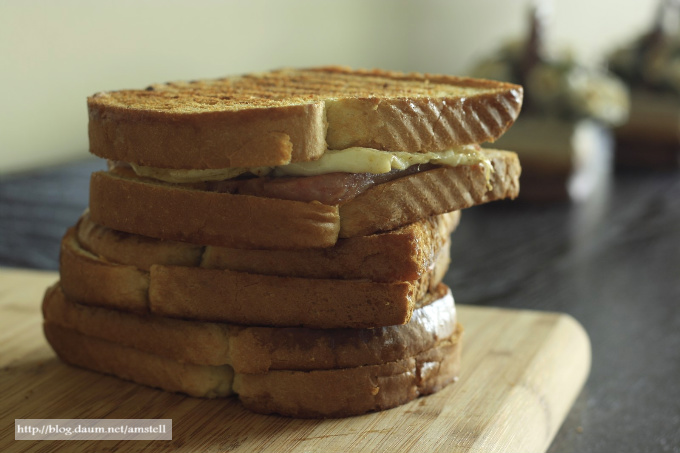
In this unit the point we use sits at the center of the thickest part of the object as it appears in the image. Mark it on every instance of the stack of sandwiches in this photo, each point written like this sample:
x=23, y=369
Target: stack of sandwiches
x=280, y=236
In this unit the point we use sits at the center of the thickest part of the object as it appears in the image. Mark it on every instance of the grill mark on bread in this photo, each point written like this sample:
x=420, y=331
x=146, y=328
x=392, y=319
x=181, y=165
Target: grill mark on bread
x=208, y=123
x=443, y=187
x=459, y=114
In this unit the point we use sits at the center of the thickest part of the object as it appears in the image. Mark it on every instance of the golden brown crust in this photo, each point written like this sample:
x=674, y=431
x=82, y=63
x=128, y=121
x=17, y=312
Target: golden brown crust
x=440, y=266
x=419, y=125
x=323, y=393
x=351, y=391
x=265, y=300
x=219, y=139
x=276, y=117
x=171, y=212
x=423, y=194
x=138, y=366
x=314, y=349
x=86, y=277
x=258, y=349
x=240, y=297
x=133, y=249
x=399, y=255
x=200, y=343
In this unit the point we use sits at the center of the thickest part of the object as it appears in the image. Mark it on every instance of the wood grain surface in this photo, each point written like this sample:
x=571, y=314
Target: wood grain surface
x=522, y=371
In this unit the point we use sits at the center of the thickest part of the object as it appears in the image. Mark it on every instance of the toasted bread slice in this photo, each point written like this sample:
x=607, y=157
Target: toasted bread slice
x=399, y=255
x=251, y=349
x=290, y=115
x=170, y=212
x=254, y=299
x=133, y=249
x=420, y=195
x=126, y=202
x=138, y=366
x=241, y=297
x=87, y=277
x=319, y=393
x=351, y=391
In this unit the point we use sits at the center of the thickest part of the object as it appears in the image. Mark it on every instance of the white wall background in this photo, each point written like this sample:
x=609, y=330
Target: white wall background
x=53, y=54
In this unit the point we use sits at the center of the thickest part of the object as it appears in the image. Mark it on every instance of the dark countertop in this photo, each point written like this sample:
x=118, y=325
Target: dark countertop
x=613, y=263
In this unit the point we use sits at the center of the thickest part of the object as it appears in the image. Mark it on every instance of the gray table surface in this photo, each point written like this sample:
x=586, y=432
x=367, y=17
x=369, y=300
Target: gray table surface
x=613, y=263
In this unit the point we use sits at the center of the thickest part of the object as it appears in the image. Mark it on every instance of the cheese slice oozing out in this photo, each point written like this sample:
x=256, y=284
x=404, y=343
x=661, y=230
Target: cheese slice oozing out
x=350, y=160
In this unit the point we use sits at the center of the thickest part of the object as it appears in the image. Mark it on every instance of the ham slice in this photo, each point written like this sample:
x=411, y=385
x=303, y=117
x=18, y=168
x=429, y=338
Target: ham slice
x=330, y=189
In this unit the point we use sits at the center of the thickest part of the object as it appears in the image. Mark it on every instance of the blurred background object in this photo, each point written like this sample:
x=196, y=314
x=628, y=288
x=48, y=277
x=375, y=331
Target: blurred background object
x=562, y=135
x=650, y=65
x=55, y=54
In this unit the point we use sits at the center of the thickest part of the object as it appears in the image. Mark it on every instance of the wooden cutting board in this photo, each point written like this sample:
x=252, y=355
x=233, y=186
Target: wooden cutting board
x=522, y=371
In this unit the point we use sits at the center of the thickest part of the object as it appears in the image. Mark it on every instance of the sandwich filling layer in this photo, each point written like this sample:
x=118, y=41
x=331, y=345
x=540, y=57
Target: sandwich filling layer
x=335, y=178
x=350, y=160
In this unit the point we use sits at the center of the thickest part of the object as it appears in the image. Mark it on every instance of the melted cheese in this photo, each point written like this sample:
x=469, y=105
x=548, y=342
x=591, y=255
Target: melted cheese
x=350, y=160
